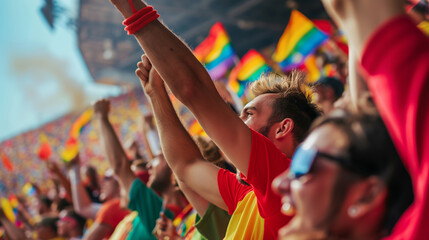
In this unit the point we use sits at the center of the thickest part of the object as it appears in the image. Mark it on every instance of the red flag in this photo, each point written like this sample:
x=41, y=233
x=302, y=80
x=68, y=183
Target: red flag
x=45, y=151
x=7, y=163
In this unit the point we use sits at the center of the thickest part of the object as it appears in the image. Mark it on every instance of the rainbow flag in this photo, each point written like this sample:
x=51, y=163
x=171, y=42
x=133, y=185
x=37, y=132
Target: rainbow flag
x=250, y=68
x=313, y=72
x=80, y=122
x=216, y=52
x=28, y=189
x=72, y=145
x=300, y=39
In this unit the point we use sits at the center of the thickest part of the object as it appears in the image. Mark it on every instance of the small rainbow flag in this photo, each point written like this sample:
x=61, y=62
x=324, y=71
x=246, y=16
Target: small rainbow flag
x=216, y=52
x=313, y=72
x=82, y=120
x=250, y=68
x=28, y=189
x=72, y=144
x=300, y=39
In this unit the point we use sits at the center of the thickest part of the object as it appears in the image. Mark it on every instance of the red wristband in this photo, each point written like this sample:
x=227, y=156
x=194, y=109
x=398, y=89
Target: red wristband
x=137, y=15
x=141, y=22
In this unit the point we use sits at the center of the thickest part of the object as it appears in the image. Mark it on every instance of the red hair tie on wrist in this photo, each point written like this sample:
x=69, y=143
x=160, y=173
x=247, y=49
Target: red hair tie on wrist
x=137, y=15
x=139, y=19
x=141, y=22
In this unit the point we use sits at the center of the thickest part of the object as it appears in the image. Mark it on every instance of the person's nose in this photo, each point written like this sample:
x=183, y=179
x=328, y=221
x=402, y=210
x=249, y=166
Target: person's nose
x=281, y=184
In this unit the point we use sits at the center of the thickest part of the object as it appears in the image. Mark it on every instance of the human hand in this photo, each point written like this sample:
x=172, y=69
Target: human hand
x=102, y=107
x=53, y=168
x=75, y=162
x=164, y=228
x=149, y=77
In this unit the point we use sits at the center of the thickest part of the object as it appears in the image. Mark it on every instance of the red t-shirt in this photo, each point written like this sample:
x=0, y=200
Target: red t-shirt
x=111, y=214
x=396, y=60
x=255, y=209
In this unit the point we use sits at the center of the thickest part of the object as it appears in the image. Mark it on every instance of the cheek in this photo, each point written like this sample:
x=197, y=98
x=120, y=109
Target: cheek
x=312, y=200
x=253, y=124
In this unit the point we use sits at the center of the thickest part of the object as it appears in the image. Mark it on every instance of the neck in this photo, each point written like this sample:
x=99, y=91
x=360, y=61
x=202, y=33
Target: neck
x=367, y=228
x=287, y=147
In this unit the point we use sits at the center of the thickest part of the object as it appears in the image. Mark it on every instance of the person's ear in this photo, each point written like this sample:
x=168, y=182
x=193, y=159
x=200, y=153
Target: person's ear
x=370, y=195
x=284, y=128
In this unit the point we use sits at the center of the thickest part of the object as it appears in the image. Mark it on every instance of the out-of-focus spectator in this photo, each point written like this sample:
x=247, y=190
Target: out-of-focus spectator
x=327, y=91
x=46, y=229
x=70, y=225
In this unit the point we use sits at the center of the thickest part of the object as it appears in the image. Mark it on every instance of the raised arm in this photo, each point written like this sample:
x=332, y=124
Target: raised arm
x=55, y=169
x=12, y=231
x=180, y=151
x=359, y=19
x=81, y=201
x=192, y=85
x=114, y=152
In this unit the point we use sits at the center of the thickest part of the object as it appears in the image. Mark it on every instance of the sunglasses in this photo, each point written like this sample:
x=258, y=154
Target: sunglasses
x=303, y=160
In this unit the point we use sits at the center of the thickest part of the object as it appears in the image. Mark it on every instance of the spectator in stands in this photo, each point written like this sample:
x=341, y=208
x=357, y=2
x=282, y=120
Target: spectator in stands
x=46, y=229
x=327, y=91
x=272, y=113
x=43, y=205
x=92, y=183
x=70, y=224
x=394, y=56
x=107, y=215
x=142, y=199
x=346, y=181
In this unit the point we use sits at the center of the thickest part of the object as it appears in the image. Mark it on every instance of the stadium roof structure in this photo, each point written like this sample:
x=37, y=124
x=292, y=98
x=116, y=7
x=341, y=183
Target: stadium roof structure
x=111, y=55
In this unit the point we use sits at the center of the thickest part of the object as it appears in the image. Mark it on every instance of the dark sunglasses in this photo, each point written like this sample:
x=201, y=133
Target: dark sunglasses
x=303, y=160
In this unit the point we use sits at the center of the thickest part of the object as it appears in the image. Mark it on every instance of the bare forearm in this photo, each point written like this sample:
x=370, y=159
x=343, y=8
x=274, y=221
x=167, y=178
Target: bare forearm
x=182, y=154
x=13, y=232
x=171, y=133
x=199, y=203
x=356, y=83
x=359, y=19
x=114, y=152
x=81, y=201
x=158, y=42
x=66, y=184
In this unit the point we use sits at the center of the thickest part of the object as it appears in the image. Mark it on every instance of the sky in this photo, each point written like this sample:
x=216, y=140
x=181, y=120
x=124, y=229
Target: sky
x=42, y=73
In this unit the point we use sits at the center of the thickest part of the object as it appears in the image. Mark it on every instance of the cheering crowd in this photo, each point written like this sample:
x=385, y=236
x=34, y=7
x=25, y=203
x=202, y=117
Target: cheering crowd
x=297, y=162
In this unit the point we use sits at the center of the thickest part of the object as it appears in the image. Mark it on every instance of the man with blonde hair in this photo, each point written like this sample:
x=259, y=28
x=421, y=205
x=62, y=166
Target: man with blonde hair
x=280, y=115
x=254, y=155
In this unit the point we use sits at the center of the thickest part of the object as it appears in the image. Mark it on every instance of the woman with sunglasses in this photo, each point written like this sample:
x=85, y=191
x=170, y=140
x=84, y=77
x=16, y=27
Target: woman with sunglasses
x=346, y=181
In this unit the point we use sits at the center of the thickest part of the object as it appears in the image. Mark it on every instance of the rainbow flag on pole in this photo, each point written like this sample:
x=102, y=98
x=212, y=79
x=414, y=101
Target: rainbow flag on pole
x=300, y=39
x=216, y=52
x=250, y=68
x=72, y=145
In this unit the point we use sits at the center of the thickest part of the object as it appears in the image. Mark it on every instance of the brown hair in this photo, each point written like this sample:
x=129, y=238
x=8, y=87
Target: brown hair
x=370, y=152
x=293, y=101
x=210, y=151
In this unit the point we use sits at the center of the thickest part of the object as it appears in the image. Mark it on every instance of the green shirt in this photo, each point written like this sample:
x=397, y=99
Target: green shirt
x=213, y=224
